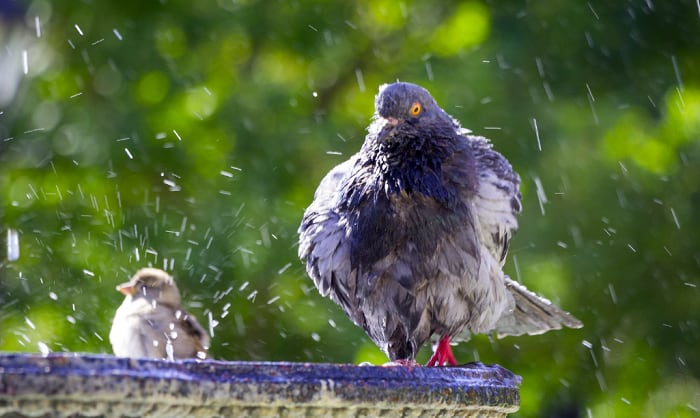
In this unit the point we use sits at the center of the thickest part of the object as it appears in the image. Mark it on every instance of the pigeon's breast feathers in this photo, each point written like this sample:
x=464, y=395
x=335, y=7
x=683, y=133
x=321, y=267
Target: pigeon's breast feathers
x=408, y=190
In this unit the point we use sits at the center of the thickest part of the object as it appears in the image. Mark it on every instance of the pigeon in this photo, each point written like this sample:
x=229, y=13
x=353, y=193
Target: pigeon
x=150, y=323
x=409, y=236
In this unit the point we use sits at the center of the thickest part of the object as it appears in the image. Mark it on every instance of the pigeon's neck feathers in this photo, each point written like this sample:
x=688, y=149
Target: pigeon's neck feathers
x=412, y=161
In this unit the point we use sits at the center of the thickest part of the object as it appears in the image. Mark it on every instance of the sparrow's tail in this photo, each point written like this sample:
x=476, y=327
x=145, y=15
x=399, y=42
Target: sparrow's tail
x=532, y=314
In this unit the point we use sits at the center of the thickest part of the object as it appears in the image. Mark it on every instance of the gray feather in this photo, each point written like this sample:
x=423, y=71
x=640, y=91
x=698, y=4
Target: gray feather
x=532, y=314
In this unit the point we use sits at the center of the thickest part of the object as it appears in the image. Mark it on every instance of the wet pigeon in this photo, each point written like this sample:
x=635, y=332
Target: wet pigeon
x=409, y=236
x=150, y=322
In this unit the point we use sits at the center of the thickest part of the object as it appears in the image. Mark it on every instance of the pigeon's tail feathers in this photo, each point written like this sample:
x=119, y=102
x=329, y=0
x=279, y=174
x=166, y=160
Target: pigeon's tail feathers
x=532, y=314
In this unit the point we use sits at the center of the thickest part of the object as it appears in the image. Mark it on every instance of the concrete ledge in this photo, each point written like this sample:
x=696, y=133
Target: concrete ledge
x=70, y=384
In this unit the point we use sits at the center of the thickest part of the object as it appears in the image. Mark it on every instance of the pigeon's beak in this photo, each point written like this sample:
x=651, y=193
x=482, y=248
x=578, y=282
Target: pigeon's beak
x=126, y=288
x=386, y=127
x=392, y=120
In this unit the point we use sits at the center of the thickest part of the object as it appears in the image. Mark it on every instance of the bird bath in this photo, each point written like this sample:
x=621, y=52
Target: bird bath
x=86, y=385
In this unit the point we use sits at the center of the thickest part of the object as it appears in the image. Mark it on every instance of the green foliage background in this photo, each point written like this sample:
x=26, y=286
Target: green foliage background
x=191, y=135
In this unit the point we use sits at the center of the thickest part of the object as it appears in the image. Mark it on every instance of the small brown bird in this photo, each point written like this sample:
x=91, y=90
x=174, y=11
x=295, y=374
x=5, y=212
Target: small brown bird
x=151, y=323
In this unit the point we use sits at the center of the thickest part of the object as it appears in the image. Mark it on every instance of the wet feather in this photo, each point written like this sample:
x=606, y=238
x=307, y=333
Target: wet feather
x=410, y=234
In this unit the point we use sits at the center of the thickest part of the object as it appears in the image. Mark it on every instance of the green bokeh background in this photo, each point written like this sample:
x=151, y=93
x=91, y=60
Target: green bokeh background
x=191, y=135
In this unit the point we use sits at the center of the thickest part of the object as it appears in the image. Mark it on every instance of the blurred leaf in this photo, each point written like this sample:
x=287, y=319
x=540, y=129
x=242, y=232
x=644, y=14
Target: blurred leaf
x=467, y=27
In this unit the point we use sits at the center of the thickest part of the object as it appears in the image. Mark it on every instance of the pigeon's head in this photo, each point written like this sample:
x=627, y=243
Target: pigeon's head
x=154, y=285
x=406, y=103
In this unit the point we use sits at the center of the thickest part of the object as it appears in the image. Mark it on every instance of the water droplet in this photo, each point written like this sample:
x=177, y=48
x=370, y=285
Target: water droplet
x=12, y=245
x=25, y=62
x=284, y=268
x=169, y=351
x=43, y=349
x=29, y=322
x=537, y=133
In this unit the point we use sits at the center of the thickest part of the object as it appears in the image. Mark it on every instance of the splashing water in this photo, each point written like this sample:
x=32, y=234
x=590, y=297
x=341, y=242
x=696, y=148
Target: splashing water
x=44, y=349
x=169, y=350
x=541, y=196
x=12, y=245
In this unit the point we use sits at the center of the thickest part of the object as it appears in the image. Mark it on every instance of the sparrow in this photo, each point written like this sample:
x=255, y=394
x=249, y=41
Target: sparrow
x=151, y=322
x=409, y=236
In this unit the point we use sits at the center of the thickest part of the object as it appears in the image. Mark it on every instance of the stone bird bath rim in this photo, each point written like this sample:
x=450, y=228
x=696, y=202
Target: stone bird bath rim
x=66, y=384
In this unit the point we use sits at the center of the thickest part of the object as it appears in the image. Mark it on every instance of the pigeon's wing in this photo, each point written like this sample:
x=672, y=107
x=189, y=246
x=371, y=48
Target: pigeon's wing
x=497, y=204
x=497, y=199
x=324, y=246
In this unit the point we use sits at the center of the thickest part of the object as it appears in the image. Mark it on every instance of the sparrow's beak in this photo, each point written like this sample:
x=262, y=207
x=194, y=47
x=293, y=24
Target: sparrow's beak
x=126, y=288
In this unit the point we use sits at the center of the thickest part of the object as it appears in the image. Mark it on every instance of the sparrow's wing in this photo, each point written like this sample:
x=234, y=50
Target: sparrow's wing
x=175, y=327
x=195, y=333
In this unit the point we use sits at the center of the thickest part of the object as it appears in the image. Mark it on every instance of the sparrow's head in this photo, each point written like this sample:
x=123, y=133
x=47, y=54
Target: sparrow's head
x=154, y=285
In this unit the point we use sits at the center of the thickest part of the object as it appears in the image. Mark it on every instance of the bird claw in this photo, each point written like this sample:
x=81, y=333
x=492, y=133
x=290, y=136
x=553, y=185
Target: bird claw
x=402, y=363
x=443, y=354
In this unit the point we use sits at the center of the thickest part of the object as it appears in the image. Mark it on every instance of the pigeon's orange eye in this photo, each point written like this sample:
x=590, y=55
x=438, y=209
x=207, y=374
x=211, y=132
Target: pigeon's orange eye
x=415, y=109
